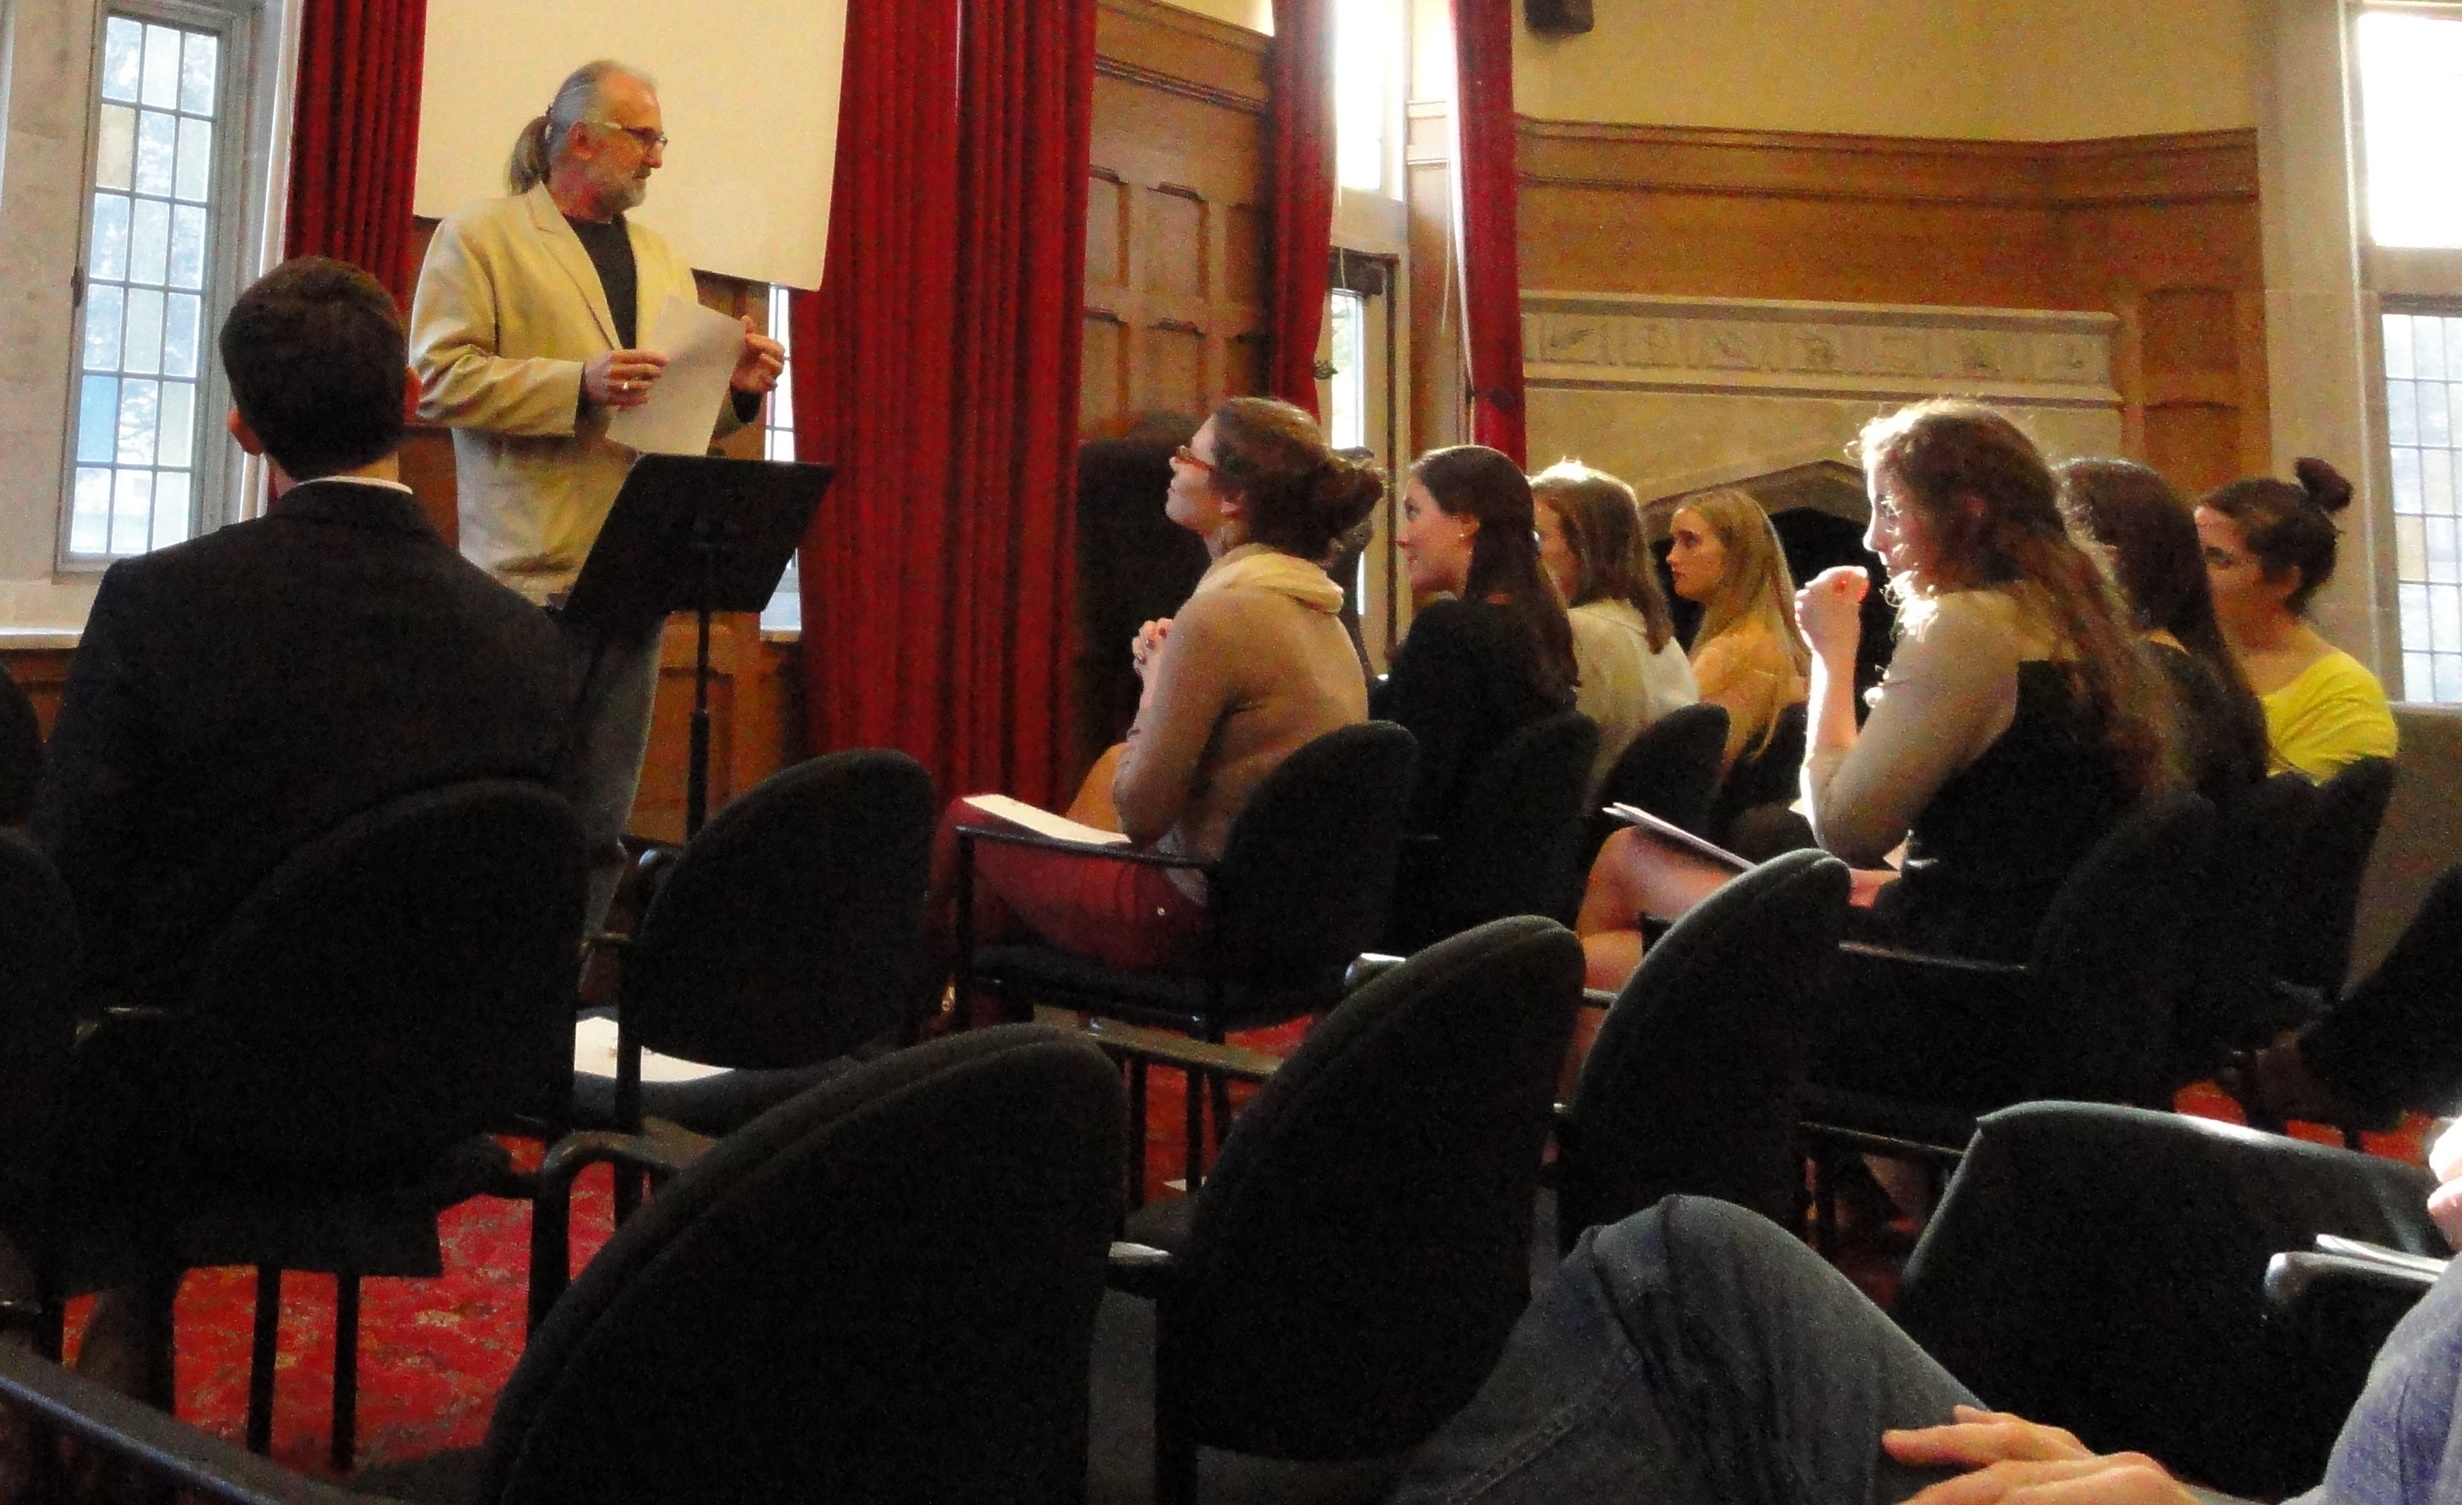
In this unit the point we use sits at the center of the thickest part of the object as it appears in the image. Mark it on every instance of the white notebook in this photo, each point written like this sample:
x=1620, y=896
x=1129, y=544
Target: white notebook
x=1043, y=822
x=594, y=1052
x=1668, y=831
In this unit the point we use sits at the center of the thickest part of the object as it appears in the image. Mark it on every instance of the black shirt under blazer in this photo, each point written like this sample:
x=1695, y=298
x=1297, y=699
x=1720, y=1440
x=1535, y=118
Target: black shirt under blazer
x=238, y=694
x=1465, y=679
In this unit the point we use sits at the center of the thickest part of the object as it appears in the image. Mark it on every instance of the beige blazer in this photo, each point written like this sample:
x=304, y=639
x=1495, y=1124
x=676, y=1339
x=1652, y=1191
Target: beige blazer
x=508, y=309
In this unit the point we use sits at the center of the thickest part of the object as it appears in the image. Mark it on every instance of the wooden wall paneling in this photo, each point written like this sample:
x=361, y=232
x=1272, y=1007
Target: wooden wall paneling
x=42, y=673
x=2161, y=231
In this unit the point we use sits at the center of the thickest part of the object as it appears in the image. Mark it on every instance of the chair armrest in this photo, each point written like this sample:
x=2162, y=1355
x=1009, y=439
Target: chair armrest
x=2335, y=1310
x=1129, y=1042
x=1598, y=998
x=1968, y=966
x=1141, y=1270
x=661, y=1149
x=1122, y=853
x=164, y=1448
x=2426, y=1266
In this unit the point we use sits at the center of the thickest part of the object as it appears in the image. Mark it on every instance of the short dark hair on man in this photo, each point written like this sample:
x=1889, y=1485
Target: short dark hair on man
x=316, y=356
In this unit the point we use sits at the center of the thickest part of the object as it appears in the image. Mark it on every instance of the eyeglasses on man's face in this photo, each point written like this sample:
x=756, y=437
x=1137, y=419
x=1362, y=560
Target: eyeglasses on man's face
x=650, y=138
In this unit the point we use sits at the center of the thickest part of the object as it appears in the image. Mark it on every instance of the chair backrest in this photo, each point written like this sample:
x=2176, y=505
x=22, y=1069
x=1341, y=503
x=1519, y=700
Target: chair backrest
x=21, y=752
x=2101, y=1268
x=38, y=957
x=883, y=1289
x=1671, y=770
x=2250, y=877
x=1363, y=1246
x=2110, y=955
x=1517, y=845
x=1767, y=777
x=400, y=983
x=2315, y=949
x=787, y=932
x=1691, y=1084
x=1307, y=870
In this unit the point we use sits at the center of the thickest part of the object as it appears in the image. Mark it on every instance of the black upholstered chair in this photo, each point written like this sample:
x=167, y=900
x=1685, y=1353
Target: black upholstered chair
x=1670, y=770
x=2101, y=1268
x=1691, y=1085
x=1515, y=849
x=1347, y=1276
x=21, y=752
x=2087, y=1016
x=883, y=1289
x=1767, y=777
x=38, y=961
x=2230, y=1001
x=2315, y=947
x=784, y=935
x=392, y=992
x=1300, y=889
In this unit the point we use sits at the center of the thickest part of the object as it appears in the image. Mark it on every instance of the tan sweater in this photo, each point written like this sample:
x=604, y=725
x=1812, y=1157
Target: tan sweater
x=1256, y=664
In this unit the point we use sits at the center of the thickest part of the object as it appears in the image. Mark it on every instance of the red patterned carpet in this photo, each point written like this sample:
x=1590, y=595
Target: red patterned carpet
x=434, y=1353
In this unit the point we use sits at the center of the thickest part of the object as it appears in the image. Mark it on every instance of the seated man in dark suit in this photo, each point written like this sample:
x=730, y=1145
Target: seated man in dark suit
x=237, y=695
x=240, y=693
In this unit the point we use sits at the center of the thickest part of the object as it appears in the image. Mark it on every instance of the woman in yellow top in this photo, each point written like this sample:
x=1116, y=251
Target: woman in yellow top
x=1748, y=655
x=2269, y=546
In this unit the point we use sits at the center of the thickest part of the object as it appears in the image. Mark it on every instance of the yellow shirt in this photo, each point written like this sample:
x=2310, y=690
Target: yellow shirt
x=2331, y=714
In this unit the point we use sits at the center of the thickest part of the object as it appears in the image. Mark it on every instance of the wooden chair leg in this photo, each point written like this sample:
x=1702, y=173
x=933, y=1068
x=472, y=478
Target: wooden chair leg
x=551, y=1256
x=1195, y=1171
x=1136, y=1133
x=1221, y=1089
x=345, y=1371
x=260, y=1434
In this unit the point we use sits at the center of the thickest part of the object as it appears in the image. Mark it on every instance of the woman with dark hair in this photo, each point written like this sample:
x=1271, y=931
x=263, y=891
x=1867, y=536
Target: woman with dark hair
x=1254, y=666
x=2269, y=547
x=2018, y=721
x=1478, y=667
x=2152, y=537
x=1633, y=670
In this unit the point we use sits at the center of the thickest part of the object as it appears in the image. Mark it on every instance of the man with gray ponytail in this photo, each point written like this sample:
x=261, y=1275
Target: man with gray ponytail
x=527, y=336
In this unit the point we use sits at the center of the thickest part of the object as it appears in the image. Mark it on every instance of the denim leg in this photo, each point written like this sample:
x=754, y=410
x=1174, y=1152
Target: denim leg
x=616, y=675
x=1694, y=1352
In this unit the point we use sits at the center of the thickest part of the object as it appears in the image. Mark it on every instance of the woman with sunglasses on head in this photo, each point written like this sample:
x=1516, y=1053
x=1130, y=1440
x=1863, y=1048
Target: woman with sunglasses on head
x=1254, y=666
x=2269, y=548
x=1632, y=669
x=1495, y=657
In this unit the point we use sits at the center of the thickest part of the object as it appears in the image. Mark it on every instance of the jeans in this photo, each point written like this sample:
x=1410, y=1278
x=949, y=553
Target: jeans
x=615, y=675
x=1692, y=1352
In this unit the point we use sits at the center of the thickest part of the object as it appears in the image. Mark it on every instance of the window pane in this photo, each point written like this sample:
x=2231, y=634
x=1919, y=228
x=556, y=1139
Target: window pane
x=123, y=47
x=2410, y=551
x=149, y=242
x=89, y=518
x=2444, y=557
x=2436, y=480
x=132, y=510
x=141, y=351
x=2397, y=345
x=170, y=508
x=107, y=248
x=139, y=401
x=157, y=140
x=2406, y=481
x=98, y=416
x=2449, y=677
x=2416, y=632
x=2418, y=682
x=161, y=85
x=2411, y=97
x=196, y=168
x=2435, y=419
x=187, y=246
x=2402, y=412
x=102, y=328
x=115, y=147
x=2445, y=618
x=2427, y=351
x=179, y=423
x=198, y=59
x=179, y=334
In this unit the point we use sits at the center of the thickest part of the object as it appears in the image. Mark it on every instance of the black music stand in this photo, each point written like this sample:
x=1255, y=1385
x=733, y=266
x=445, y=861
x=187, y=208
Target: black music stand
x=696, y=533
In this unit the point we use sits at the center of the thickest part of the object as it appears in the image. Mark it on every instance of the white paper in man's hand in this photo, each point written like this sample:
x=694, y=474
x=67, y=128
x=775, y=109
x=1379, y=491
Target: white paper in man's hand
x=702, y=346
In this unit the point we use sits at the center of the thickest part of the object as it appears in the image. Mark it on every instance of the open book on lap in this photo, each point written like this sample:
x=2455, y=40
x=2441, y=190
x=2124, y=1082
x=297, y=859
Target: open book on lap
x=1676, y=836
x=1043, y=822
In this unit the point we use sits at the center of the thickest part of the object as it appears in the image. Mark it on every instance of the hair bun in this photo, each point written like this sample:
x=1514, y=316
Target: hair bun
x=2326, y=486
x=1347, y=491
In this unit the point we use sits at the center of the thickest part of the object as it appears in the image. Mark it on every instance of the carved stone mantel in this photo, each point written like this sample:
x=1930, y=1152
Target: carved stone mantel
x=1770, y=348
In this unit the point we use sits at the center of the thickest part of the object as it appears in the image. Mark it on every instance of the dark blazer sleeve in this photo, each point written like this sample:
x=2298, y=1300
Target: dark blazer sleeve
x=93, y=802
x=1433, y=693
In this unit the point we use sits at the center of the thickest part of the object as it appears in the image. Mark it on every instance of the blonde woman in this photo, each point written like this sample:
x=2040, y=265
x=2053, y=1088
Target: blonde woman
x=1748, y=655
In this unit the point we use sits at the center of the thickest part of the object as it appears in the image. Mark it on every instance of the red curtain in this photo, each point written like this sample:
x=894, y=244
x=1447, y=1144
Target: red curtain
x=938, y=371
x=1489, y=200
x=355, y=135
x=1302, y=88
